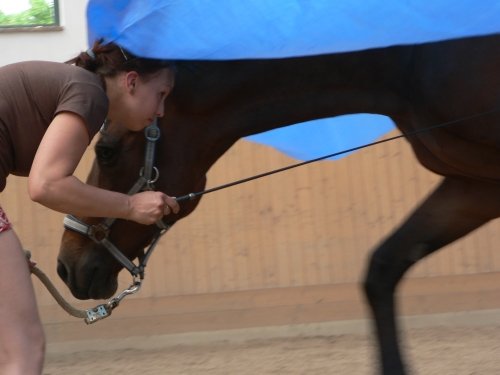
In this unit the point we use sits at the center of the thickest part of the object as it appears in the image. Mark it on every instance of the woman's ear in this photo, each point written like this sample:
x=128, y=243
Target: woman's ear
x=131, y=79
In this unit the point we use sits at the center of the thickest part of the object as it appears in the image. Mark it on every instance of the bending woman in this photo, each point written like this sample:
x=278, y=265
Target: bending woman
x=49, y=112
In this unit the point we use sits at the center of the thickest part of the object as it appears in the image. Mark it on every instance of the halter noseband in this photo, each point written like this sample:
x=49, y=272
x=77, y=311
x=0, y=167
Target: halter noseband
x=99, y=233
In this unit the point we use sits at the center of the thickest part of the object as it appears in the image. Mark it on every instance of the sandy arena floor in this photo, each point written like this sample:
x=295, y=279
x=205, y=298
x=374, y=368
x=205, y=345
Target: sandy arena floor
x=439, y=350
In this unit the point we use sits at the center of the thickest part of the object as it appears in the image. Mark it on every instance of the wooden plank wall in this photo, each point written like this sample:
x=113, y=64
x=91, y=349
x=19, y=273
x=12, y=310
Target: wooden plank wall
x=294, y=240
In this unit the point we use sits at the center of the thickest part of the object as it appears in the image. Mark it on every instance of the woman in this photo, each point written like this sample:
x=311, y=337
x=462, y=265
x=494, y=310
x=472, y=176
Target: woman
x=49, y=113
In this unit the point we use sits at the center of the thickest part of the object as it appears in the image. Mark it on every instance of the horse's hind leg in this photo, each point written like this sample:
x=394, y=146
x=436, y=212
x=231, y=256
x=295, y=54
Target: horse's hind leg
x=454, y=209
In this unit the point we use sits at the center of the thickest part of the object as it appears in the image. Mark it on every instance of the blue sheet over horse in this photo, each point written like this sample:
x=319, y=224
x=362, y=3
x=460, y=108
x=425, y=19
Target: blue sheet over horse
x=253, y=29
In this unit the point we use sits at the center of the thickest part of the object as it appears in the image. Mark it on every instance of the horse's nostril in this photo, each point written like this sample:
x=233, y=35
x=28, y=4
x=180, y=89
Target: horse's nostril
x=62, y=271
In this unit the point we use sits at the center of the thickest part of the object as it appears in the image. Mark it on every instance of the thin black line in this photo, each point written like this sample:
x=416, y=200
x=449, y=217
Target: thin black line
x=410, y=134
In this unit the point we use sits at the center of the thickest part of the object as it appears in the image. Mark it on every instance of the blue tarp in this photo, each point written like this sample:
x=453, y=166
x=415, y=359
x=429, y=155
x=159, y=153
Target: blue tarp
x=249, y=29
x=313, y=139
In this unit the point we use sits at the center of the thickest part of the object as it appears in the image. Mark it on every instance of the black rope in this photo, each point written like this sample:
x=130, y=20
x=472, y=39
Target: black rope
x=191, y=196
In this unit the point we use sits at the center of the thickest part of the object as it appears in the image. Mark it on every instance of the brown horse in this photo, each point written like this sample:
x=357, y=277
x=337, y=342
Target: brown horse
x=216, y=103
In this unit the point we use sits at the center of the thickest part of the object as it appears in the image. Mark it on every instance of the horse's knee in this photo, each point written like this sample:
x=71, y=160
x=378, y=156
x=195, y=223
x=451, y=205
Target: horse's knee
x=386, y=268
x=375, y=284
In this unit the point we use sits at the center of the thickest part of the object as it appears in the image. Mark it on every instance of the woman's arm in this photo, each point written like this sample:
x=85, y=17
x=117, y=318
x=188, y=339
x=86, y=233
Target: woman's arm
x=51, y=181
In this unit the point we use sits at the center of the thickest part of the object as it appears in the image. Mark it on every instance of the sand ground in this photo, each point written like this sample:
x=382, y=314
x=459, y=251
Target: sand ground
x=441, y=347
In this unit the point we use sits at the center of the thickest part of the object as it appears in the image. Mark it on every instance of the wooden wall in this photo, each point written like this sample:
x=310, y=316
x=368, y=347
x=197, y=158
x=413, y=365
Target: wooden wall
x=289, y=248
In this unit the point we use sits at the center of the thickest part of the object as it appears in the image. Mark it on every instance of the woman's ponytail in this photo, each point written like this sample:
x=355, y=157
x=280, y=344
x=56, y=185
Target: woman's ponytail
x=109, y=59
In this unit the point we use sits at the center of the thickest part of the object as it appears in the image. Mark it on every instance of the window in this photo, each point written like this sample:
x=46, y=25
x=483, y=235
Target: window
x=28, y=14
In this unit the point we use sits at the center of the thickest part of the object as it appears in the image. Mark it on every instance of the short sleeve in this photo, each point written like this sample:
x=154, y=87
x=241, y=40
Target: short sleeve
x=86, y=99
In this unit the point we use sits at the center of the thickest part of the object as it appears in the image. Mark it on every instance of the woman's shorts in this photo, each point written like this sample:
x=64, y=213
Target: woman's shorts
x=4, y=221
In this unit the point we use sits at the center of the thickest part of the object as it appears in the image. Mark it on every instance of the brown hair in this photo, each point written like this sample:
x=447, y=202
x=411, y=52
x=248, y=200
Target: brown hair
x=109, y=59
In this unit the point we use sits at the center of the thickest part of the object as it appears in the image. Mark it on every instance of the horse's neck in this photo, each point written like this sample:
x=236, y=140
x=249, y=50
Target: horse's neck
x=216, y=103
x=245, y=97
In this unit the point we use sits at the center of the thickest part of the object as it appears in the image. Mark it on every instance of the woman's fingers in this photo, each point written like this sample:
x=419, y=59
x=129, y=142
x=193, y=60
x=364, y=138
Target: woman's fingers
x=171, y=205
x=150, y=206
x=166, y=210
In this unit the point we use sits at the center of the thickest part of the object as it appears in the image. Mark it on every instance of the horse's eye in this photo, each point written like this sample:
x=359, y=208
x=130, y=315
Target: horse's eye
x=105, y=154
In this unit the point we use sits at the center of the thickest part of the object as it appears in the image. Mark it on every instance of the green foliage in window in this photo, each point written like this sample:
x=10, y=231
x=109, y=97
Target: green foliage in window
x=41, y=13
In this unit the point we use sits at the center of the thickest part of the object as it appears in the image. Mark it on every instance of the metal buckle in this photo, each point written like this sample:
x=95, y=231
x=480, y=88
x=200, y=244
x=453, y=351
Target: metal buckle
x=97, y=313
x=98, y=232
x=104, y=310
x=152, y=133
x=154, y=179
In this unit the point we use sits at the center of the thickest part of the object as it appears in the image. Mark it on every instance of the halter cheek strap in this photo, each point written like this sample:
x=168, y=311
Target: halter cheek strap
x=100, y=233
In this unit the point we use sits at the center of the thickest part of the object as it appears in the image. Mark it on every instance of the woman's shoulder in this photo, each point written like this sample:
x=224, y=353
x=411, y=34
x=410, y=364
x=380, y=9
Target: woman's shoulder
x=53, y=70
x=36, y=66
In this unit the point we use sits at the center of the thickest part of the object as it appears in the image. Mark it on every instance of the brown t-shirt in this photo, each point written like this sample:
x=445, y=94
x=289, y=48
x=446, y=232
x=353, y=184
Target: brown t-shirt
x=32, y=93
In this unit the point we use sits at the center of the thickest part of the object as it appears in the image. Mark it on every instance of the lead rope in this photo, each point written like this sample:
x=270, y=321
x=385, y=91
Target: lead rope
x=73, y=311
x=91, y=315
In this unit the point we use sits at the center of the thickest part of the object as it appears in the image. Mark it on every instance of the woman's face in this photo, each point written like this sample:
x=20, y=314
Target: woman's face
x=144, y=98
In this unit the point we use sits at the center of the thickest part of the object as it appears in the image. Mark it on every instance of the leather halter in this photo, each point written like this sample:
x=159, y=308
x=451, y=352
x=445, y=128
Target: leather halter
x=99, y=233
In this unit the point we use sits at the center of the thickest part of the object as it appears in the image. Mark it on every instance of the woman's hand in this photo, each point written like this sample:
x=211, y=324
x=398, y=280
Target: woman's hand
x=150, y=206
x=51, y=181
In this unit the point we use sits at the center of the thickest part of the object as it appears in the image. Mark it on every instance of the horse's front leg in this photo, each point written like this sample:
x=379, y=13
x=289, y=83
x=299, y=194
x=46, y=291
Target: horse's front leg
x=454, y=209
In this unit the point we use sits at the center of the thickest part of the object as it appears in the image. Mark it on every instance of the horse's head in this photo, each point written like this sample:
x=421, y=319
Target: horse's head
x=85, y=264
x=197, y=128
